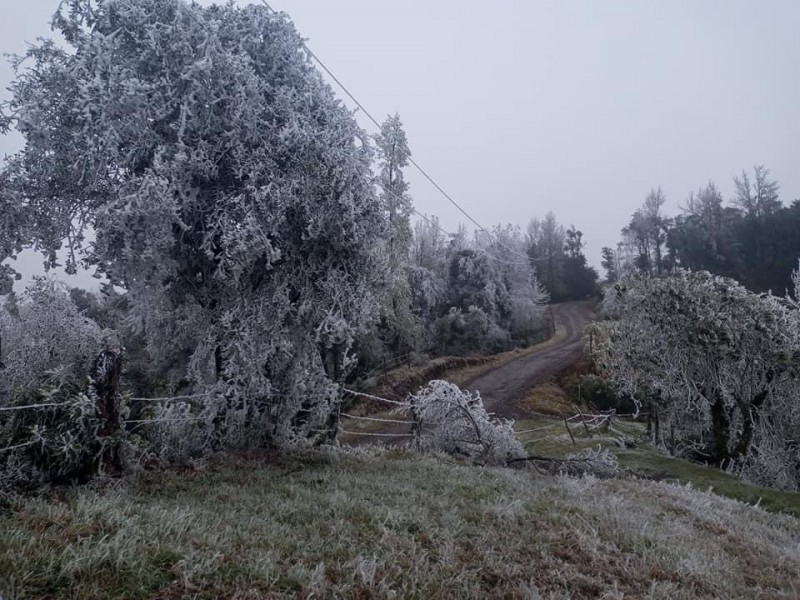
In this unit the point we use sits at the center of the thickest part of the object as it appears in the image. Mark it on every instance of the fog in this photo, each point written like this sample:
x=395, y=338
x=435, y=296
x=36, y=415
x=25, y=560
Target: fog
x=576, y=107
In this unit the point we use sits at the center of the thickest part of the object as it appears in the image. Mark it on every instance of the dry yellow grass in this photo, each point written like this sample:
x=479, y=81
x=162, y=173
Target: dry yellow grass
x=547, y=399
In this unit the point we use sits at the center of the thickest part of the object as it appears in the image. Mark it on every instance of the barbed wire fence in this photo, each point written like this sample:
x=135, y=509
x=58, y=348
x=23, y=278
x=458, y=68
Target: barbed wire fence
x=387, y=427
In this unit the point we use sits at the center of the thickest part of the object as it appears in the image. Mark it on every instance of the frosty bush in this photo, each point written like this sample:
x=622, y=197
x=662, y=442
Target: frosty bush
x=455, y=421
x=719, y=366
x=176, y=433
x=58, y=441
x=462, y=332
x=230, y=193
x=48, y=350
x=46, y=333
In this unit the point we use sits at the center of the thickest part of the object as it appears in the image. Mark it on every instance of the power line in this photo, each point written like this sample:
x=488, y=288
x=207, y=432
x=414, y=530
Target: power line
x=477, y=249
x=526, y=262
x=411, y=160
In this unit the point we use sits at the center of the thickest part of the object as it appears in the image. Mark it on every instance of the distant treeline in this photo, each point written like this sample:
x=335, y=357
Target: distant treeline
x=753, y=238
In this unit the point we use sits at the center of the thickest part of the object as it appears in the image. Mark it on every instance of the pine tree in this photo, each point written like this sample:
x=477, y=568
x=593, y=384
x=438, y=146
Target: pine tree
x=393, y=155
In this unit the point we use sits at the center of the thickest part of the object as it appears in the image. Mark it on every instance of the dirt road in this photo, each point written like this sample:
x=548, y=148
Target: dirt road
x=502, y=386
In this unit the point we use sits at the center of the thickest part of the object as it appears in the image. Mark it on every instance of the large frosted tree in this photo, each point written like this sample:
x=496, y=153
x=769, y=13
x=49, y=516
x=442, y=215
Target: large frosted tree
x=546, y=240
x=399, y=325
x=229, y=191
x=719, y=366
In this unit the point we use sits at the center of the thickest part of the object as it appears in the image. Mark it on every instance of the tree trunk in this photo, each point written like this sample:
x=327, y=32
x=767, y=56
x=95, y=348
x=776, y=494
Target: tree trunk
x=105, y=376
x=720, y=432
x=749, y=419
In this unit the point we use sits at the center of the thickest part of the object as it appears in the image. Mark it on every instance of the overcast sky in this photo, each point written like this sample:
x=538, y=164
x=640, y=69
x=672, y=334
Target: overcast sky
x=578, y=107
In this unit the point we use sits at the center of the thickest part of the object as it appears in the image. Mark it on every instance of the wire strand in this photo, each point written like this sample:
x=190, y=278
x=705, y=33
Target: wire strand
x=375, y=419
x=377, y=434
x=371, y=397
x=414, y=163
x=187, y=397
x=31, y=406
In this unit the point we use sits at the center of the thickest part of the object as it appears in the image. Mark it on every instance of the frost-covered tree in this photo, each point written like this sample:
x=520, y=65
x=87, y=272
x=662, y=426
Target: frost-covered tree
x=393, y=155
x=580, y=280
x=647, y=234
x=519, y=296
x=49, y=352
x=455, y=421
x=546, y=239
x=399, y=327
x=45, y=332
x=610, y=264
x=428, y=268
x=718, y=365
x=702, y=238
x=493, y=299
x=754, y=239
x=759, y=197
x=229, y=190
x=470, y=282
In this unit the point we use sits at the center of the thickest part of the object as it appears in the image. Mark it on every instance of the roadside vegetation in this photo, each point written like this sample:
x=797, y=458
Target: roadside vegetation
x=255, y=246
x=636, y=457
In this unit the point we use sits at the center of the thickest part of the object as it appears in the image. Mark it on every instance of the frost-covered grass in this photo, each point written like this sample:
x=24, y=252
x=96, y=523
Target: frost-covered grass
x=646, y=461
x=394, y=524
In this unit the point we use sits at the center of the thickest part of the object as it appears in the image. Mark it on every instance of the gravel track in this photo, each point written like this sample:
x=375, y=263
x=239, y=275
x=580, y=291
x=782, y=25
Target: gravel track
x=501, y=387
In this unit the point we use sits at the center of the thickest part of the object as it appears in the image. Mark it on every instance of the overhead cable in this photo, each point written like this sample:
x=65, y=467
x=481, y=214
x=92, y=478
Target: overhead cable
x=411, y=160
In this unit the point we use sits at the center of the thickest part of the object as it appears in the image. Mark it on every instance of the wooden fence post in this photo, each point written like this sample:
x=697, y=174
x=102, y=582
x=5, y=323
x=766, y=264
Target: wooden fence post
x=105, y=375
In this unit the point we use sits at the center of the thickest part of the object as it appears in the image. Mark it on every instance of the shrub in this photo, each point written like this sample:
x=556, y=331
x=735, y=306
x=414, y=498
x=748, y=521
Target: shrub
x=455, y=421
x=46, y=334
x=49, y=352
x=60, y=440
x=718, y=366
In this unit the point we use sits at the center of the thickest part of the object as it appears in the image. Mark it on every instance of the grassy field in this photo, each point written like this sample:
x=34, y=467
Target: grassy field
x=645, y=461
x=390, y=523
x=551, y=402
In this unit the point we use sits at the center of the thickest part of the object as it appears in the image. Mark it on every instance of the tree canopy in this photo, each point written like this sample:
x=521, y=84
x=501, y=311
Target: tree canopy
x=718, y=366
x=228, y=190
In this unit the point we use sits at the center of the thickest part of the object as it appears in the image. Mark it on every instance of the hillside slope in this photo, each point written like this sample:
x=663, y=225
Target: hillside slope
x=393, y=524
